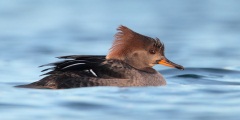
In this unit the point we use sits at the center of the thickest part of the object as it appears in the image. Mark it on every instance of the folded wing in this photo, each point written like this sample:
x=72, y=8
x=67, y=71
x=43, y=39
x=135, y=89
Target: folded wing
x=74, y=63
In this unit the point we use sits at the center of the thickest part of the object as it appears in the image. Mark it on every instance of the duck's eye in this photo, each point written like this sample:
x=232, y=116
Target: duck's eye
x=152, y=51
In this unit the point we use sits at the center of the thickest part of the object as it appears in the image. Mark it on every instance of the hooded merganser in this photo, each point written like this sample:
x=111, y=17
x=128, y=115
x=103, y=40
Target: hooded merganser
x=128, y=63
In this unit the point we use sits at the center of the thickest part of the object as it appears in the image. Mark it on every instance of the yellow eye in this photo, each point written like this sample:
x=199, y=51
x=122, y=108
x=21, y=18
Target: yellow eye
x=152, y=51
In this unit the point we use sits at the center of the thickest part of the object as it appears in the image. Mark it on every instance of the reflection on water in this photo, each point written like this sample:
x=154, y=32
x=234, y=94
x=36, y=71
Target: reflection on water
x=203, y=36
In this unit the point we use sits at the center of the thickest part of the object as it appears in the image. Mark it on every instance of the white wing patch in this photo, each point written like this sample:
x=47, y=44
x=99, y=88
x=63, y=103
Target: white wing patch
x=73, y=65
x=93, y=72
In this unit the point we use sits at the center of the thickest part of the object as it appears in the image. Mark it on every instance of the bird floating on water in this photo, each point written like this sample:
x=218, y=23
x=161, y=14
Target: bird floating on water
x=128, y=63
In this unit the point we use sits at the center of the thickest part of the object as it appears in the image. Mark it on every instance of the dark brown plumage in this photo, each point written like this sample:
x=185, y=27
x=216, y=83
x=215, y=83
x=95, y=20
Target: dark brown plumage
x=129, y=63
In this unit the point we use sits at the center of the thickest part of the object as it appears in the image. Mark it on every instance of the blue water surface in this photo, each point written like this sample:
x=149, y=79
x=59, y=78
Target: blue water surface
x=203, y=36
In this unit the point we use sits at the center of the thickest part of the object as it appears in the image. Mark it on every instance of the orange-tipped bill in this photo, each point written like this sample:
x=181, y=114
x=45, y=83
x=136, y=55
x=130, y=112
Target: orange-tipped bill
x=168, y=63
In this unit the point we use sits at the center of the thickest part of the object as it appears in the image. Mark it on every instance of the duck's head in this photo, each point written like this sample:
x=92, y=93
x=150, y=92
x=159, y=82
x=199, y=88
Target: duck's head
x=139, y=51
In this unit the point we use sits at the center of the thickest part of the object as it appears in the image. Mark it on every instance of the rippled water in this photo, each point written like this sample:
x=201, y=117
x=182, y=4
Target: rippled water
x=203, y=36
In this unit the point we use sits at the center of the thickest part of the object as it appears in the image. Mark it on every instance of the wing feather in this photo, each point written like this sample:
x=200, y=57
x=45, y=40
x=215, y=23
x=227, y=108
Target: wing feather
x=74, y=63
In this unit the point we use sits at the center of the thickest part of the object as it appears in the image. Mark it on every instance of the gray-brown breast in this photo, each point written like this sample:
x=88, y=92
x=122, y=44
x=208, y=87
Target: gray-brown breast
x=129, y=75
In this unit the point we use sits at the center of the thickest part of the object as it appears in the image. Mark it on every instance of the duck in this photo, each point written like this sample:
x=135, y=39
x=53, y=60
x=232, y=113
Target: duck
x=129, y=63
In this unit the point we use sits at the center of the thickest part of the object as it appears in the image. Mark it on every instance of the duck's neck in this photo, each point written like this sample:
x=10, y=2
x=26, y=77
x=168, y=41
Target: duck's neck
x=134, y=65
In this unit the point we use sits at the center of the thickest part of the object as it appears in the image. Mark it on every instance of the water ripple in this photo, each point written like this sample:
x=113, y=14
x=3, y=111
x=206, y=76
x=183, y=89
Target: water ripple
x=204, y=76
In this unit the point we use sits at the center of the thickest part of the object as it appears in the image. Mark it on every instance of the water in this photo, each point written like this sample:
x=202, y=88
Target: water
x=203, y=36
